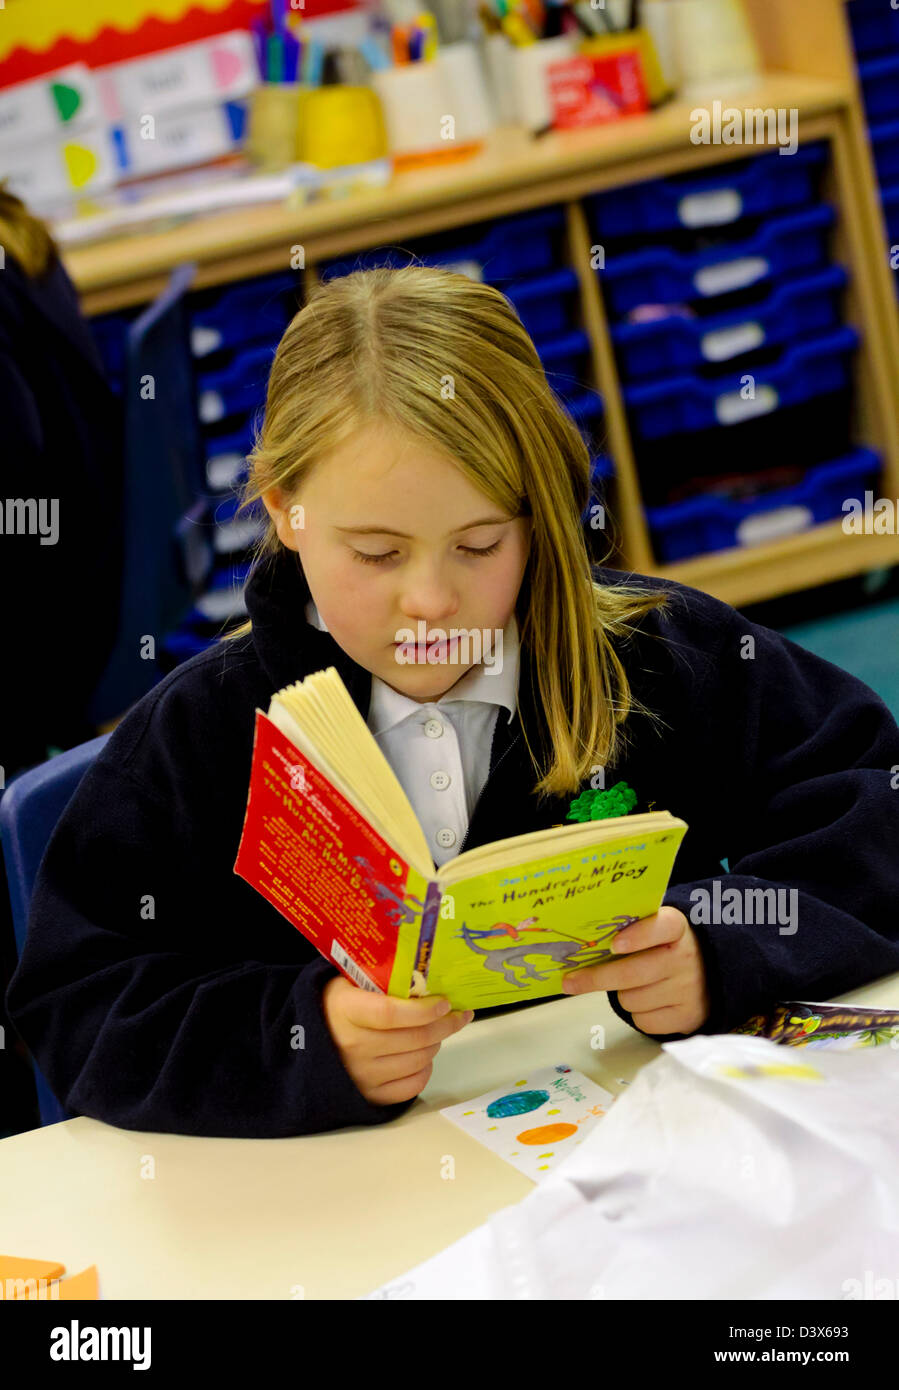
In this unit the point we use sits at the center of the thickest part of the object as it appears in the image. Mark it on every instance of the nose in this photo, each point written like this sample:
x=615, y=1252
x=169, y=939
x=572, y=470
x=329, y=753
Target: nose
x=428, y=596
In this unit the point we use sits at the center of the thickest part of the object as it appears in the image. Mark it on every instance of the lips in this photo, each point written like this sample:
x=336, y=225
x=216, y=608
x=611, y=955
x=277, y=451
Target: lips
x=429, y=651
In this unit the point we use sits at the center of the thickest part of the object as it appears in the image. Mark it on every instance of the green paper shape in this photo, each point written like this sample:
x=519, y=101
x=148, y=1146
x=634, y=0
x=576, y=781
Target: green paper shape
x=596, y=804
x=68, y=99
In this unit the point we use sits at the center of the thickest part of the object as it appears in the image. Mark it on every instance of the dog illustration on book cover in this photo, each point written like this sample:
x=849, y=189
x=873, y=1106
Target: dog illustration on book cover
x=507, y=959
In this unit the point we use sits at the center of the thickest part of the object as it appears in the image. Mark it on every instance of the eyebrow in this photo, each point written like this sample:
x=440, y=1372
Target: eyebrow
x=386, y=531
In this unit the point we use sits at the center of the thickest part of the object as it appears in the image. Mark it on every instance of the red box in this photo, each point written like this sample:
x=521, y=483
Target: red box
x=592, y=89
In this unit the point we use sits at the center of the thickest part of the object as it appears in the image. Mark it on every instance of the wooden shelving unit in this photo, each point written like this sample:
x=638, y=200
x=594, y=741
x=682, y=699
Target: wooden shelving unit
x=807, y=49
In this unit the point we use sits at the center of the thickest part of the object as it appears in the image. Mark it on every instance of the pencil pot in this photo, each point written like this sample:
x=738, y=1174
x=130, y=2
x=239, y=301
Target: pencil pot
x=713, y=45
x=468, y=97
x=273, y=129
x=529, y=82
x=415, y=104
x=340, y=125
x=498, y=57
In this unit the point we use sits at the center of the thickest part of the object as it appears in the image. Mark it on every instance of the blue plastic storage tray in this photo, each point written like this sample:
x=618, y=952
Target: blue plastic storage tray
x=703, y=524
x=657, y=275
x=495, y=252
x=586, y=408
x=546, y=304
x=880, y=84
x=601, y=472
x=748, y=188
x=684, y=403
x=252, y=312
x=875, y=26
x=789, y=311
x=885, y=144
x=566, y=361
x=226, y=456
x=890, y=199
x=237, y=388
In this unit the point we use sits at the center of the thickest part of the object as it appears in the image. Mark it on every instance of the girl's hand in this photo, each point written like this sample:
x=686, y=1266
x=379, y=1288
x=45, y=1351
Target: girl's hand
x=662, y=983
x=387, y=1045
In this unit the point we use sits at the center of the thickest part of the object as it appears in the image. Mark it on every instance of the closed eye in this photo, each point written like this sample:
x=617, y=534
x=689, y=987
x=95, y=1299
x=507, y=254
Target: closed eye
x=365, y=559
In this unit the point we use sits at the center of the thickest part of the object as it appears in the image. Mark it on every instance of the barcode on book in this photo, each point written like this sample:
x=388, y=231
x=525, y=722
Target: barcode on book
x=352, y=968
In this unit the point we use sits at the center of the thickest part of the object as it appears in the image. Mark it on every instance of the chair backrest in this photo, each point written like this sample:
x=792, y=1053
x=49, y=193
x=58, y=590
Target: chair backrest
x=29, y=809
x=164, y=476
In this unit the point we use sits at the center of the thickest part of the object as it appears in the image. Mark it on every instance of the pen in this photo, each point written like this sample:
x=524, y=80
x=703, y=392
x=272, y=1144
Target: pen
x=517, y=30
x=315, y=62
x=400, y=40
x=373, y=53
x=426, y=22
x=489, y=19
x=275, y=55
x=291, y=56
x=257, y=29
x=589, y=19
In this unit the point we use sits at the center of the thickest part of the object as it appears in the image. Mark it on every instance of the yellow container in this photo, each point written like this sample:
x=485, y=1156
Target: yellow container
x=641, y=39
x=340, y=125
x=272, y=131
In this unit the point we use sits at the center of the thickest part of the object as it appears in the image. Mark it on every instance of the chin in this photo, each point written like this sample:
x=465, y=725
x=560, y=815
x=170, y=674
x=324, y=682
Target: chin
x=424, y=682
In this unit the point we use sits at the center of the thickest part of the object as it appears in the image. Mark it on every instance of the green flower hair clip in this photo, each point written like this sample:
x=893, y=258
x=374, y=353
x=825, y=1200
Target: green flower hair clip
x=596, y=804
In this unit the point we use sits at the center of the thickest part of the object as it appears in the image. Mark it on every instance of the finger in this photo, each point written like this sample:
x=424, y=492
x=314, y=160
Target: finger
x=645, y=968
x=369, y=1010
x=666, y=925
x=397, y=1066
x=668, y=1020
x=403, y=1089
x=665, y=994
x=389, y=1042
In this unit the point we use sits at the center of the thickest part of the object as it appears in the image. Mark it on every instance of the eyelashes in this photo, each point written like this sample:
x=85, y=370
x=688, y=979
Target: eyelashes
x=379, y=559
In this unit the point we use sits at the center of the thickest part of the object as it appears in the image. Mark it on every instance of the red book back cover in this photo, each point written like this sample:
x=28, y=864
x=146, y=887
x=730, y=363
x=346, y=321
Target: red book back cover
x=307, y=850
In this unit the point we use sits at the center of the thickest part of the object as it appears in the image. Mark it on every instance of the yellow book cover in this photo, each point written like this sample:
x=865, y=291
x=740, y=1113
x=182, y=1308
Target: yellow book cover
x=331, y=840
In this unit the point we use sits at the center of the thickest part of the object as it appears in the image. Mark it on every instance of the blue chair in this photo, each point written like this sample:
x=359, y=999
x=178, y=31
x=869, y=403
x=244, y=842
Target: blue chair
x=29, y=809
x=165, y=562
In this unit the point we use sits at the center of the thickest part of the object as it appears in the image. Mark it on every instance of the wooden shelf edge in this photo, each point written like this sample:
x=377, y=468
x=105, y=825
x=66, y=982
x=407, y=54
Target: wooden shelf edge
x=754, y=573
x=513, y=172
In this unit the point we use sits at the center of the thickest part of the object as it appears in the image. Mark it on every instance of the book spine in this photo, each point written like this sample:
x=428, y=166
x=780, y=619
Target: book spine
x=429, y=916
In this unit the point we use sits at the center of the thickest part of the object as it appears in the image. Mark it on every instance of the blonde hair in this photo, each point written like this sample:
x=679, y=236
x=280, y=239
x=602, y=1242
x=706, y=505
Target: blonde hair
x=447, y=358
x=24, y=236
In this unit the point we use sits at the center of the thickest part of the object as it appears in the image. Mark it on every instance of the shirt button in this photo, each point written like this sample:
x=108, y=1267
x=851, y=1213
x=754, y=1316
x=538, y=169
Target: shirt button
x=439, y=780
x=433, y=728
x=445, y=837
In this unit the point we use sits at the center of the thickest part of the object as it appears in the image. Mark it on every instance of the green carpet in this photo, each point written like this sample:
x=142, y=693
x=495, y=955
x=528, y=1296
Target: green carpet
x=864, y=642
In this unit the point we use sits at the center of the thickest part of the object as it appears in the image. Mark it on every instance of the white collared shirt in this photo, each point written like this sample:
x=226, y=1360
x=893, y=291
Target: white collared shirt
x=440, y=751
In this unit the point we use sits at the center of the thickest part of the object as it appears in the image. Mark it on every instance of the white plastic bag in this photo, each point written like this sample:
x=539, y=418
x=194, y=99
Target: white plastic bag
x=732, y=1167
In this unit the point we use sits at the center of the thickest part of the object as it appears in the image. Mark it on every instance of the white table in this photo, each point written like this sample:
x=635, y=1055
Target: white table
x=323, y=1216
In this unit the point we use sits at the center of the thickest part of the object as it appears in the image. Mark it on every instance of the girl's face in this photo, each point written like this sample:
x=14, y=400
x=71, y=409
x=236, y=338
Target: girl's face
x=390, y=534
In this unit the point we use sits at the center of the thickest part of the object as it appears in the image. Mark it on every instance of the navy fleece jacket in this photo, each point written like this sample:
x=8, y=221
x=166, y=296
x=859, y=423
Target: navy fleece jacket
x=159, y=991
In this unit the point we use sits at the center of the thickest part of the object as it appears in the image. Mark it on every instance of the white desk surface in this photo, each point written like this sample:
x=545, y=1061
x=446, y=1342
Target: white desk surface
x=321, y=1216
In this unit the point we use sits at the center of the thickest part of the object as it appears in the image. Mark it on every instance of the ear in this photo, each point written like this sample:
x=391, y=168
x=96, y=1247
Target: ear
x=274, y=502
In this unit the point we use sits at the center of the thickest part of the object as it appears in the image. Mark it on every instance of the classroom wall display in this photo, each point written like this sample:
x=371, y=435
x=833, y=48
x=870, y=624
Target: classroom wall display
x=37, y=36
x=191, y=74
x=49, y=107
